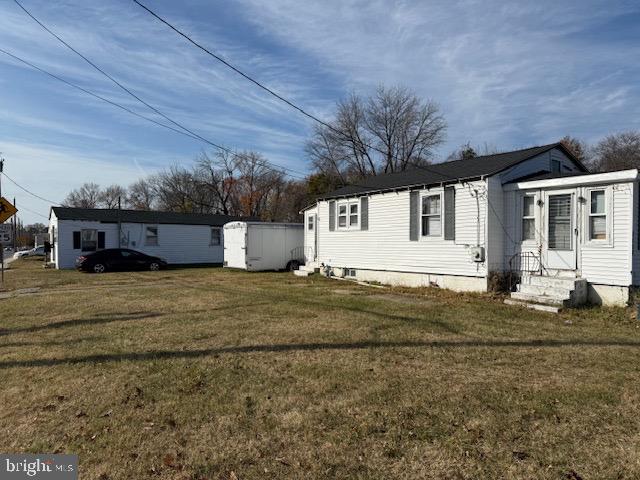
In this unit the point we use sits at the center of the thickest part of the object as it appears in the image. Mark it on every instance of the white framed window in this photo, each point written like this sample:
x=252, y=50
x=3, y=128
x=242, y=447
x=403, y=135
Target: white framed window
x=353, y=215
x=310, y=225
x=342, y=215
x=151, y=236
x=349, y=215
x=431, y=216
x=216, y=236
x=598, y=225
x=528, y=218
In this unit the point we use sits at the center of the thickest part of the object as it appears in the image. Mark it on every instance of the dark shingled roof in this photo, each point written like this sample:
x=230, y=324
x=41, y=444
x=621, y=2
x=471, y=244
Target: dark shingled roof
x=446, y=172
x=107, y=215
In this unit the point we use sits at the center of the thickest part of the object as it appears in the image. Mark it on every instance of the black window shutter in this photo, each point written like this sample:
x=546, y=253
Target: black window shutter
x=364, y=213
x=100, y=240
x=450, y=213
x=77, y=244
x=414, y=198
x=332, y=215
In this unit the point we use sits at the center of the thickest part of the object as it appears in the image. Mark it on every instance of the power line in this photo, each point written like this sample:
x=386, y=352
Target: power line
x=33, y=212
x=99, y=97
x=269, y=90
x=29, y=191
x=95, y=95
x=132, y=94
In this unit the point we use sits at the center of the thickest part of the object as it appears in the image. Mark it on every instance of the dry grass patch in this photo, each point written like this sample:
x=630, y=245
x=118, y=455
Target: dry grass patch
x=211, y=373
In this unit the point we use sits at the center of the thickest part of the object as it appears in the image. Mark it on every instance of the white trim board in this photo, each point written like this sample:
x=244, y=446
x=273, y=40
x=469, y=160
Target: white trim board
x=576, y=181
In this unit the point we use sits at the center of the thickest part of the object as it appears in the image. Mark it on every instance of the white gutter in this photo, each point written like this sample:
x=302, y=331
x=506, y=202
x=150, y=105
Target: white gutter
x=576, y=180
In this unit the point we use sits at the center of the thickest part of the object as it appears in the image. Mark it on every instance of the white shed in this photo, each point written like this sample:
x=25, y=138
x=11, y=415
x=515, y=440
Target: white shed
x=256, y=246
x=179, y=238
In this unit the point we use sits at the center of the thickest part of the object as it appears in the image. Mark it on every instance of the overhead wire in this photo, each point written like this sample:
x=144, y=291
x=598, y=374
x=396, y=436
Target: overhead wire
x=137, y=97
x=24, y=189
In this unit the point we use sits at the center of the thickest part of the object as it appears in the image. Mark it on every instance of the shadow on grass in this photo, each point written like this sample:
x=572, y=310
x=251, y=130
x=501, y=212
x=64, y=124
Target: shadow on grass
x=101, y=318
x=98, y=319
x=302, y=347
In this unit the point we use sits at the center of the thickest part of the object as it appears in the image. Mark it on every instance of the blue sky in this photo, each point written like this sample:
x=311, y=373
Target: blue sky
x=511, y=74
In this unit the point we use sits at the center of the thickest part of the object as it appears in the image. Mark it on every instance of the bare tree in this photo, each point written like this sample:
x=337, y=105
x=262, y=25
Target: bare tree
x=141, y=195
x=577, y=147
x=175, y=190
x=217, y=177
x=388, y=132
x=256, y=183
x=617, y=152
x=87, y=196
x=113, y=196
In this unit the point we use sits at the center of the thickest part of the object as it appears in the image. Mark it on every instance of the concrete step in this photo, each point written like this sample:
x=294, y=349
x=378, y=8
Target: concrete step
x=544, y=290
x=534, y=306
x=310, y=268
x=546, y=281
x=302, y=273
x=540, y=299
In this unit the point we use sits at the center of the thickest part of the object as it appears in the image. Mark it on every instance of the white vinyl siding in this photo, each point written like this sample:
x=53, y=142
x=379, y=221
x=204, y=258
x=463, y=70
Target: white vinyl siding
x=386, y=245
x=610, y=262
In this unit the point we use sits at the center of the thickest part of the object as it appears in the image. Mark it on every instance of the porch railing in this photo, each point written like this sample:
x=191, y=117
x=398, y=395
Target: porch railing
x=523, y=262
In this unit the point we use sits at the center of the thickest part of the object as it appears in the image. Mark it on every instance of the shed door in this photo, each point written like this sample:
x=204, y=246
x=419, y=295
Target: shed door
x=561, y=229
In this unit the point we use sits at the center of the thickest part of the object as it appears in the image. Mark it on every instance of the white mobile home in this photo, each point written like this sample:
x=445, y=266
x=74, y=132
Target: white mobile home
x=179, y=238
x=536, y=216
x=256, y=246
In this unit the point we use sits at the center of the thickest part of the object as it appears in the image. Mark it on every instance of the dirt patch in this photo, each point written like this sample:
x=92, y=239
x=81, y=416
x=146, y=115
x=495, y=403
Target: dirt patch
x=19, y=293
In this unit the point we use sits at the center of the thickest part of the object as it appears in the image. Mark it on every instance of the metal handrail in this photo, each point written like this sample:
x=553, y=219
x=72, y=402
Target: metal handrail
x=524, y=262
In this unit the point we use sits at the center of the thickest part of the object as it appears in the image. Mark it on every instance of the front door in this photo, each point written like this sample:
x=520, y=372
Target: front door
x=560, y=230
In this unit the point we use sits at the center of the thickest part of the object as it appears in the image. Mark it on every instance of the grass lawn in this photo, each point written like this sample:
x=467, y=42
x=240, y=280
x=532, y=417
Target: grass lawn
x=218, y=374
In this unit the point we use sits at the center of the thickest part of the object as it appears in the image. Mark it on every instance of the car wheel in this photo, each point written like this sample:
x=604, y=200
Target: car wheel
x=99, y=268
x=154, y=266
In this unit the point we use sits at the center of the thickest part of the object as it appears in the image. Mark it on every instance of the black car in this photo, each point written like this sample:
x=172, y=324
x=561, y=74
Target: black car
x=118, y=259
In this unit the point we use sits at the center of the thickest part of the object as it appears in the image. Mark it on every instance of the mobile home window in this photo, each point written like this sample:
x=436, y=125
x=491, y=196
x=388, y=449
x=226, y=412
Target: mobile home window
x=528, y=218
x=151, y=236
x=310, y=222
x=89, y=240
x=597, y=215
x=342, y=215
x=216, y=236
x=431, y=216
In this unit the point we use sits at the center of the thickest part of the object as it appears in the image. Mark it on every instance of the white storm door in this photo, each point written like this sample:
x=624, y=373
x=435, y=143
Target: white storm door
x=560, y=228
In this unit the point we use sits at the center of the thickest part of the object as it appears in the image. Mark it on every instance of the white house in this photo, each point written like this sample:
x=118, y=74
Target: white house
x=180, y=238
x=536, y=216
